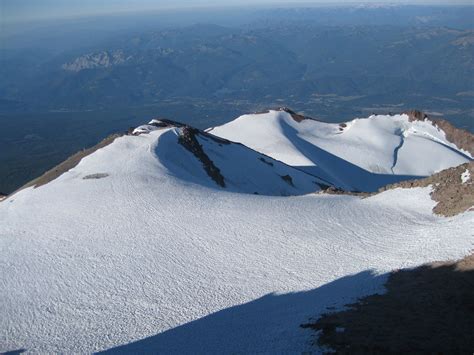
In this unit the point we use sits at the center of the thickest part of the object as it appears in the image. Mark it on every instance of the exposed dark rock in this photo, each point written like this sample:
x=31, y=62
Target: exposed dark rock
x=416, y=115
x=332, y=190
x=288, y=180
x=95, y=176
x=296, y=116
x=188, y=140
x=453, y=196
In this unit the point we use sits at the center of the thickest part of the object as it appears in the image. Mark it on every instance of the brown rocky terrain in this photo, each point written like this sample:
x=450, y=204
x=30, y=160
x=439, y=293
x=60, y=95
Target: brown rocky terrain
x=296, y=116
x=427, y=310
x=453, y=196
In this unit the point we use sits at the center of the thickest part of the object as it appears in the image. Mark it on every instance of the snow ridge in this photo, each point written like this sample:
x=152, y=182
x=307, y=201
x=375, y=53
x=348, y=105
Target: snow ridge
x=360, y=155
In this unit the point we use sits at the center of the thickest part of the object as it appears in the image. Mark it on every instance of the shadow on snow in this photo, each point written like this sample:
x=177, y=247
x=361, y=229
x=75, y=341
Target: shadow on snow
x=270, y=323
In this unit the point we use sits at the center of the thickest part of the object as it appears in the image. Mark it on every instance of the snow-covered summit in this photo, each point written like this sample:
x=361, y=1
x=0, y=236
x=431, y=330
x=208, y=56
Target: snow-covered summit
x=144, y=246
x=362, y=154
x=202, y=158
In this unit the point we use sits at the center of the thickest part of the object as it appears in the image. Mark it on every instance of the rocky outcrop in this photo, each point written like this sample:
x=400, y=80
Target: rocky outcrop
x=288, y=179
x=461, y=138
x=453, y=193
x=296, y=116
x=189, y=141
x=453, y=189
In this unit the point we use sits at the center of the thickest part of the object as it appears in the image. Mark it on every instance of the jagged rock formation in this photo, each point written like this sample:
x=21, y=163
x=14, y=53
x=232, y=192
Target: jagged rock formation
x=188, y=140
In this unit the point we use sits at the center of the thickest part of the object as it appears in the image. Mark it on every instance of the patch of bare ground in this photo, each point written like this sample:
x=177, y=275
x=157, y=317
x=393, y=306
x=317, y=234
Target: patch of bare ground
x=68, y=164
x=95, y=176
x=452, y=194
x=189, y=141
x=426, y=310
x=342, y=126
x=331, y=190
x=461, y=138
x=296, y=116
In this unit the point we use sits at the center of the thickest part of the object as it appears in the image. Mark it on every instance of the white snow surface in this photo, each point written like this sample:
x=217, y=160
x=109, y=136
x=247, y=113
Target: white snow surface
x=150, y=260
x=465, y=176
x=364, y=155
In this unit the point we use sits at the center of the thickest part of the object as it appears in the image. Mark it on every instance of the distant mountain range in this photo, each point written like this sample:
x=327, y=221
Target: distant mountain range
x=319, y=69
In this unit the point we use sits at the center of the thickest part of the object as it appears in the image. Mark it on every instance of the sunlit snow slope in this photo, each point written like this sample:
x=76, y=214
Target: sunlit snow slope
x=363, y=154
x=137, y=249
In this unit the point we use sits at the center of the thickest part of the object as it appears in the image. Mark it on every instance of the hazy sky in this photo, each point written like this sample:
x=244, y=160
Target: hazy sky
x=17, y=10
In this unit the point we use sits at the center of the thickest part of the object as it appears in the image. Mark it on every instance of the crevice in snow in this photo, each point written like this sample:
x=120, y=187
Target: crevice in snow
x=401, y=134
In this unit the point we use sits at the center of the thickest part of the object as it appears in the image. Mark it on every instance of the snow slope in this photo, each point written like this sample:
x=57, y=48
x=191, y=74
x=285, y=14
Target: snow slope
x=363, y=154
x=242, y=169
x=150, y=258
